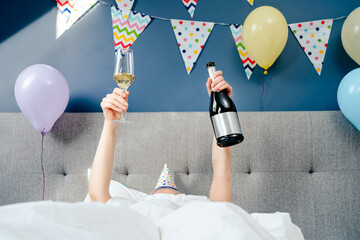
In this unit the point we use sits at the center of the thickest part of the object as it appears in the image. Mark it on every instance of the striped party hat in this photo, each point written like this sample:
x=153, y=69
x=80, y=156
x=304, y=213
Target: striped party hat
x=165, y=180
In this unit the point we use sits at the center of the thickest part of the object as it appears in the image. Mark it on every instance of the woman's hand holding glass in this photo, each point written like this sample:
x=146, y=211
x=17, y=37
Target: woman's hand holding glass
x=114, y=104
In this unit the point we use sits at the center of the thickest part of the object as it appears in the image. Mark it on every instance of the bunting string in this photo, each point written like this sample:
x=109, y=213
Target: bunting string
x=191, y=36
x=216, y=23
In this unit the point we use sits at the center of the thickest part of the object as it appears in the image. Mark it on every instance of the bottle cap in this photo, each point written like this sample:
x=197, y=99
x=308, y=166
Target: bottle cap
x=210, y=64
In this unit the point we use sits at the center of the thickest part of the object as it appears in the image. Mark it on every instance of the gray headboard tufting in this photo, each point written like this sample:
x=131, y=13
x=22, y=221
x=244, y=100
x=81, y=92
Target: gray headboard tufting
x=304, y=163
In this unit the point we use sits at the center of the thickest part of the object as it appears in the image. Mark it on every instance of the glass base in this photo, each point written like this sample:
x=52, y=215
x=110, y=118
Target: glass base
x=123, y=122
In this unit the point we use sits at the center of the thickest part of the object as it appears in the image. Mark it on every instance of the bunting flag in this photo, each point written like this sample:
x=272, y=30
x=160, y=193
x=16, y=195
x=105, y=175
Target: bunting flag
x=125, y=6
x=313, y=37
x=64, y=8
x=248, y=63
x=80, y=7
x=126, y=31
x=191, y=37
x=190, y=6
x=251, y=2
x=69, y=11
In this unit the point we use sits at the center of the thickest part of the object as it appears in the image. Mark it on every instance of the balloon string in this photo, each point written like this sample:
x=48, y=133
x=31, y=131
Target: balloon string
x=262, y=92
x=42, y=166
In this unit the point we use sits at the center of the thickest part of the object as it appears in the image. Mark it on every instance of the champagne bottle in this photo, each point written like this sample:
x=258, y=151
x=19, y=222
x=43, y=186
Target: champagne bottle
x=223, y=114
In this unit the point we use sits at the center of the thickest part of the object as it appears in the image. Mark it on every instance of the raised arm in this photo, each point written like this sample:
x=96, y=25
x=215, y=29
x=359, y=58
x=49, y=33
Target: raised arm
x=112, y=105
x=221, y=187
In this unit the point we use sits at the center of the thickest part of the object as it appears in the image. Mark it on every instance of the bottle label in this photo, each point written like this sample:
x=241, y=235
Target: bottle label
x=225, y=124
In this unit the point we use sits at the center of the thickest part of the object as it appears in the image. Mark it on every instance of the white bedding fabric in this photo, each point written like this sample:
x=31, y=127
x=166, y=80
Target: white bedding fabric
x=130, y=214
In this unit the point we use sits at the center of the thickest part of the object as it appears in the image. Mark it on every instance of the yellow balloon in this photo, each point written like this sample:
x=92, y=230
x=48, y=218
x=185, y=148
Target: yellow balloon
x=265, y=34
x=350, y=35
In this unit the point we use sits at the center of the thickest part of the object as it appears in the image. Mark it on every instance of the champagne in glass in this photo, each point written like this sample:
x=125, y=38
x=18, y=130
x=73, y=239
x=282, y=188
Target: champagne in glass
x=124, y=74
x=124, y=80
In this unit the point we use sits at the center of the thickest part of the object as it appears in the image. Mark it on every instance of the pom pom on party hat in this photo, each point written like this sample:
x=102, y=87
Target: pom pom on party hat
x=165, y=180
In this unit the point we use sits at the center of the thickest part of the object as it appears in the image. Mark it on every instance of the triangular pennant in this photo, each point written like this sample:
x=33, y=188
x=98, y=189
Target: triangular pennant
x=126, y=31
x=251, y=2
x=313, y=37
x=191, y=37
x=190, y=6
x=165, y=180
x=125, y=6
x=248, y=63
x=80, y=8
x=64, y=9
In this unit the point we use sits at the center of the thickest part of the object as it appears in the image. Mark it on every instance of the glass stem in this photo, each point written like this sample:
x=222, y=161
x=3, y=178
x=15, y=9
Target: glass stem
x=123, y=111
x=122, y=116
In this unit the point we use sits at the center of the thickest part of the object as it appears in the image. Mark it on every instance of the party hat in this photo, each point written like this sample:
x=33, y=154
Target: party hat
x=165, y=180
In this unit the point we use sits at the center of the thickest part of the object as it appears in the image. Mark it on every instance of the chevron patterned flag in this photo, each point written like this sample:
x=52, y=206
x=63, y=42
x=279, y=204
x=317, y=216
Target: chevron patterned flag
x=313, y=37
x=79, y=9
x=190, y=6
x=125, y=6
x=251, y=2
x=191, y=37
x=126, y=31
x=64, y=8
x=248, y=63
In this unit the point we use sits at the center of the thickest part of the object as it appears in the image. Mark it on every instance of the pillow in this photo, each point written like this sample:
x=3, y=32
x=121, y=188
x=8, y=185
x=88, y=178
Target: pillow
x=117, y=189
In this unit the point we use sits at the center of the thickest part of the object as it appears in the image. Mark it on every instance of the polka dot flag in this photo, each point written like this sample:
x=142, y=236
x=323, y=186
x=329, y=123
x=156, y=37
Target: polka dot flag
x=251, y=2
x=165, y=180
x=191, y=37
x=125, y=6
x=313, y=37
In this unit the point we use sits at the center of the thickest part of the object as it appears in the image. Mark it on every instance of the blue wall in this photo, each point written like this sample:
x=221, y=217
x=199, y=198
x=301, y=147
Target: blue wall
x=84, y=54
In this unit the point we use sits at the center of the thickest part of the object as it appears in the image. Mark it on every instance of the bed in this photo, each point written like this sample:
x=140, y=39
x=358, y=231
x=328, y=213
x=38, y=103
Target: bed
x=303, y=163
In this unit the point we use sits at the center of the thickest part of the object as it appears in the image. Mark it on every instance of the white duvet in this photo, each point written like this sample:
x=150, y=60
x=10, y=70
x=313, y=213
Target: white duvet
x=134, y=215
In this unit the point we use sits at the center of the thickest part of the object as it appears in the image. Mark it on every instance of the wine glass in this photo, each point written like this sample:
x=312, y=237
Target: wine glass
x=124, y=74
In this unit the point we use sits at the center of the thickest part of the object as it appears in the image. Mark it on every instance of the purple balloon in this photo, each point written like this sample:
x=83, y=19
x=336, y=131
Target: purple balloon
x=42, y=94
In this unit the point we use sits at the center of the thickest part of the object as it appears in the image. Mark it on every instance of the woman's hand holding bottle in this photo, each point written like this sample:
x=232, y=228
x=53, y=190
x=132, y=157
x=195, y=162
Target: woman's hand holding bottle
x=218, y=84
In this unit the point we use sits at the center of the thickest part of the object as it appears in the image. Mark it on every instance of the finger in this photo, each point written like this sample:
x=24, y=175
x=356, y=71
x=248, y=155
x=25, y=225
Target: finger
x=208, y=83
x=112, y=102
x=217, y=81
x=217, y=74
x=119, y=108
x=219, y=85
x=119, y=92
x=127, y=95
x=226, y=86
x=107, y=105
x=116, y=97
x=116, y=100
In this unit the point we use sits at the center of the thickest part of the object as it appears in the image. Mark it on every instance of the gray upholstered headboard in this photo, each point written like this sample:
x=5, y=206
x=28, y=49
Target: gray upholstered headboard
x=304, y=163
